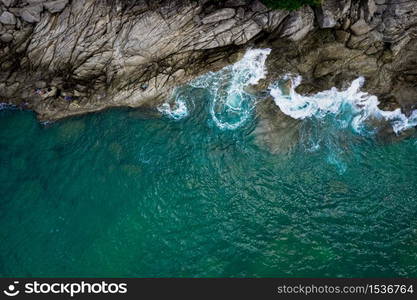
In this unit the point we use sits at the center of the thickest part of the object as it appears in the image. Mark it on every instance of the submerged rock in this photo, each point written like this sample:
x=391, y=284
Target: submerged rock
x=275, y=131
x=6, y=37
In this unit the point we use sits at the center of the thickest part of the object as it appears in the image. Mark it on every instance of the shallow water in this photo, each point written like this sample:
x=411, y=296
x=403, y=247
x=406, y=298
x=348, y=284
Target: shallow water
x=122, y=194
x=115, y=194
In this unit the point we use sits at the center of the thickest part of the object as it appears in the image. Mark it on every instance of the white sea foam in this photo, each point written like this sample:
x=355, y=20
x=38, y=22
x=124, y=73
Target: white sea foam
x=362, y=105
x=6, y=106
x=176, y=110
x=231, y=105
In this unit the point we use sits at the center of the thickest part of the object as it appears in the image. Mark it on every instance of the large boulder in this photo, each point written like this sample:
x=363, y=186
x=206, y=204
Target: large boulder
x=331, y=11
x=369, y=8
x=360, y=27
x=8, y=3
x=6, y=37
x=32, y=13
x=299, y=24
x=7, y=18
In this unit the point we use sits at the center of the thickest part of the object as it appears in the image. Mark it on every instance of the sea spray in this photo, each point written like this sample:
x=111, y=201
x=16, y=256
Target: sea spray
x=230, y=105
x=176, y=109
x=7, y=106
x=362, y=106
x=334, y=121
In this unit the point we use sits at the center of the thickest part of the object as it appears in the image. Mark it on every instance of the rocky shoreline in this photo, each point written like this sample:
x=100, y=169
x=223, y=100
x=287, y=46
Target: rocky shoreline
x=62, y=58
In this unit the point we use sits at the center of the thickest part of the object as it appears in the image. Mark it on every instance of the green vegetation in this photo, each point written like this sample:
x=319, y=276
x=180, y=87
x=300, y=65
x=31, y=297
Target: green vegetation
x=289, y=4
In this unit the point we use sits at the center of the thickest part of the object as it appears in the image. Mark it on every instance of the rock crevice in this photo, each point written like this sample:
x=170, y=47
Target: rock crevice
x=63, y=57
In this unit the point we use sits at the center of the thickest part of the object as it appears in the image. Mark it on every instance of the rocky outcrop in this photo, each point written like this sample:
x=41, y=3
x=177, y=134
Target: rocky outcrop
x=68, y=57
x=62, y=57
x=374, y=39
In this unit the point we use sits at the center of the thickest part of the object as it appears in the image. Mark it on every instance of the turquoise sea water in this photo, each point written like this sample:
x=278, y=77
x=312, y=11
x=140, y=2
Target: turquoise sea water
x=121, y=193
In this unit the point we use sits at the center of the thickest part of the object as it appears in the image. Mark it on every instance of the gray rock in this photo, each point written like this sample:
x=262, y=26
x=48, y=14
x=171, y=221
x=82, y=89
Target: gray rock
x=219, y=15
x=8, y=3
x=7, y=18
x=31, y=14
x=275, y=18
x=324, y=68
x=360, y=27
x=166, y=43
x=55, y=6
x=249, y=32
x=261, y=20
x=370, y=9
x=258, y=6
x=197, y=20
x=40, y=84
x=15, y=11
x=235, y=3
x=299, y=24
x=330, y=11
x=381, y=8
x=33, y=2
x=6, y=37
x=342, y=36
x=240, y=13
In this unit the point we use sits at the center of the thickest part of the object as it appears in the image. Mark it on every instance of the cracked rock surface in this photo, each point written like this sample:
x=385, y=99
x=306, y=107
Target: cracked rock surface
x=374, y=39
x=63, y=57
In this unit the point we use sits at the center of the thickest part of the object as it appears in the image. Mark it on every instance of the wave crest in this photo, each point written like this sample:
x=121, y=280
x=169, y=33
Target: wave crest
x=363, y=106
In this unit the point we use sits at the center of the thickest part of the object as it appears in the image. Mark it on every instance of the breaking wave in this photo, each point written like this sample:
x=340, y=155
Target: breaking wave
x=334, y=121
x=176, y=109
x=231, y=105
x=331, y=121
x=362, y=106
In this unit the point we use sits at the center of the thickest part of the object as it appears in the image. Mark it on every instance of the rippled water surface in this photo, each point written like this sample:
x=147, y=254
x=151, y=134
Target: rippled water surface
x=122, y=193
x=119, y=194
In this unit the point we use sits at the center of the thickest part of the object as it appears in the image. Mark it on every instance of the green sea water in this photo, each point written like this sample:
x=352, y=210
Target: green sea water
x=119, y=194
x=123, y=193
